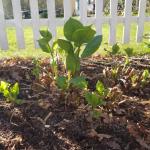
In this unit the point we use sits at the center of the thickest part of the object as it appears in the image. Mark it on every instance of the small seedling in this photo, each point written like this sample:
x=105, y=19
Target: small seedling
x=36, y=70
x=145, y=76
x=45, y=46
x=10, y=92
x=115, y=49
x=134, y=80
x=96, y=98
x=78, y=82
x=129, y=53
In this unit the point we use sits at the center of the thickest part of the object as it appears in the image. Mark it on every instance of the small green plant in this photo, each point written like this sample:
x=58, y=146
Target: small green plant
x=145, y=76
x=134, y=80
x=140, y=80
x=10, y=92
x=78, y=82
x=96, y=98
x=80, y=42
x=115, y=72
x=44, y=43
x=129, y=53
x=114, y=50
x=36, y=70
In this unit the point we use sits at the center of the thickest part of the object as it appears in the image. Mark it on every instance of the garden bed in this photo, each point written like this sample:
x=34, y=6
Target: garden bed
x=47, y=120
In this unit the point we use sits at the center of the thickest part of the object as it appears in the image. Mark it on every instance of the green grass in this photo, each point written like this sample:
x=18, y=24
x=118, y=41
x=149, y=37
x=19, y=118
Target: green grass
x=30, y=51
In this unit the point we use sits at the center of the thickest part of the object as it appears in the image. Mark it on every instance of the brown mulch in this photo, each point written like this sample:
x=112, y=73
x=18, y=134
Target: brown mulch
x=45, y=122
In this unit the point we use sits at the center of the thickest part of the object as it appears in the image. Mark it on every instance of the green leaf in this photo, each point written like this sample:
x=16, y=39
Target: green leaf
x=92, y=46
x=101, y=89
x=145, y=74
x=129, y=52
x=84, y=35
x=79, y=82
x=93, y=99
x=6, y=93
x=70, y=27
x=62, y=82
x=14, y=90
x=46, y=35
x=4, y=86
x=115, y=49
x=44, y=45
x=65, y=45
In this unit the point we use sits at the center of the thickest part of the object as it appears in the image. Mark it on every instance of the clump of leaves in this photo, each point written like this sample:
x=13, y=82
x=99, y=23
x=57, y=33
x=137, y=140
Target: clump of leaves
x=80, y=42
x=97, y=98
x=78, y=82
x=10, y=92
x=44, y=43
x=67, y=86
x=113, y=73
x=140, y=80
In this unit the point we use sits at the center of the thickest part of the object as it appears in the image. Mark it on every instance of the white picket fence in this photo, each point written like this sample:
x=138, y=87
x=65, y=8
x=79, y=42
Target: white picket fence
x=52, y=22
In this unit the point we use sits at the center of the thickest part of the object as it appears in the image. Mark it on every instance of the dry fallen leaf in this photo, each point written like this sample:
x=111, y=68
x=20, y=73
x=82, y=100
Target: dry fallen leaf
x=102, y=136
x=93, y=134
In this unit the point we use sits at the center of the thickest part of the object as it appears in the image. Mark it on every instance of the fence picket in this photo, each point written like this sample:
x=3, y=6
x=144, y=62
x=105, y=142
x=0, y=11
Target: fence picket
x=35, y=21
x=99, y=16
x=141, y=19
x=51, y=16
x=127, y=22
x=3, y=34
x=113, y=21
x=67, y=9
x=18, y=23
x=83, y=10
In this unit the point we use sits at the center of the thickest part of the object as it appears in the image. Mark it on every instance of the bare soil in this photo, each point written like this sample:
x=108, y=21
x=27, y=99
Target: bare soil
x=46, y=120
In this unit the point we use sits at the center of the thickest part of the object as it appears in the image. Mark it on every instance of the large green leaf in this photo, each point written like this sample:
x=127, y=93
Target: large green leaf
x=46, y=35
x=79, y=82
x=84, y=35
x=70, y=27
x=65, y=45
x=44, y=45
x=92, y=46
